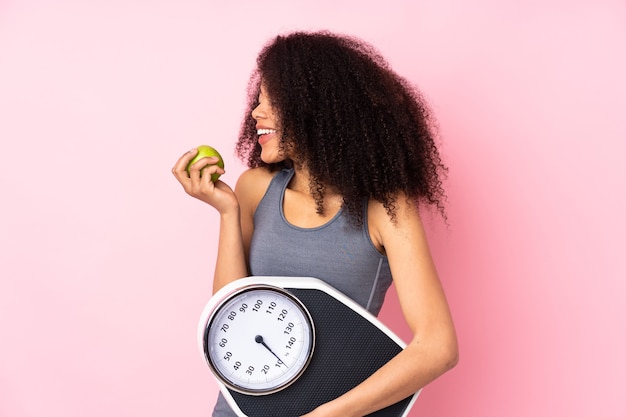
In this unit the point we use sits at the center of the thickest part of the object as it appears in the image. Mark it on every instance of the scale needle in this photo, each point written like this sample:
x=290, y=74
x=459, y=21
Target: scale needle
x=259, y=339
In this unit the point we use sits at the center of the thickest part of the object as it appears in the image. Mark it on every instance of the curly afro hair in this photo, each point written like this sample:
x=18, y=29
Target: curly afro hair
x=358, y=127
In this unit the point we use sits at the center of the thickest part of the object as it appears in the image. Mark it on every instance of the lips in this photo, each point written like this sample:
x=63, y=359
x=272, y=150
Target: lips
x=265, y=134
x=263, y=139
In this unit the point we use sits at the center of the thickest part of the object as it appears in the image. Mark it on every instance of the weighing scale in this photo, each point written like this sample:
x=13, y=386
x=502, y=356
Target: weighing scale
x=281, y=346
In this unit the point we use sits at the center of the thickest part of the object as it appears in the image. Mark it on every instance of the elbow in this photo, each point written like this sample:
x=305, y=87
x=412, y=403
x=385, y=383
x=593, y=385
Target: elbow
x=449, y=355
x=443, y=356
x=438, y=352
x=451, y=358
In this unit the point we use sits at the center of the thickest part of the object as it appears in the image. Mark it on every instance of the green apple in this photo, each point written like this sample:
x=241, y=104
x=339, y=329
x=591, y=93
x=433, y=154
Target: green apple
x=205, y=151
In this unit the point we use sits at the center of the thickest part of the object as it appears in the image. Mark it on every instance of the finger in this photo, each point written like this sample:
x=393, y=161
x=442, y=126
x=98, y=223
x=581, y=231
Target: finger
x=207, y=171
x=180, y=168
x=201, y=165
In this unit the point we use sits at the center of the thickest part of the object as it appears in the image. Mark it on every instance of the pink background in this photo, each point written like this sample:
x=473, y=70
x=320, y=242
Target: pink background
x=106, y=264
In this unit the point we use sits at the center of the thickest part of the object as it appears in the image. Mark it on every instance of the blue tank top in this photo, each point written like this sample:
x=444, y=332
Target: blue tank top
x=337, y=252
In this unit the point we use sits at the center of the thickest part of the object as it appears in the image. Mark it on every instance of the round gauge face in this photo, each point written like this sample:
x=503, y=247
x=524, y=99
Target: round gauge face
x=259, y=340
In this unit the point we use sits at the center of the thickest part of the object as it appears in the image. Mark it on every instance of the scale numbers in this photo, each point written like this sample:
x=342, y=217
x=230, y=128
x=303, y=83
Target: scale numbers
x=259, y=340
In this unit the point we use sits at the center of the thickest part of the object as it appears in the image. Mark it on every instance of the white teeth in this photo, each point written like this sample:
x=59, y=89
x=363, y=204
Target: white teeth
x=265, y=131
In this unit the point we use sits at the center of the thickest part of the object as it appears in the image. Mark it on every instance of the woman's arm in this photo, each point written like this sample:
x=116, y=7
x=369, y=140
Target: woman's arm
x=236, y=209
x=433, y=349
x=231, y=262
x=236, y=229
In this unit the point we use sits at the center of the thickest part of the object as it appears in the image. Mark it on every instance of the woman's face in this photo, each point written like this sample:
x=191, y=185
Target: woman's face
x=268, y=129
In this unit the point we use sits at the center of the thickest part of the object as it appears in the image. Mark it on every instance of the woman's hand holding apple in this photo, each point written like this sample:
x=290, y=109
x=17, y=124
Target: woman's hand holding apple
x=195, y=170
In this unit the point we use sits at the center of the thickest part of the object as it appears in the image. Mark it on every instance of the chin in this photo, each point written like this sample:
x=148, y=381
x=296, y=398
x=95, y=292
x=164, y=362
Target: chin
x=271, y=158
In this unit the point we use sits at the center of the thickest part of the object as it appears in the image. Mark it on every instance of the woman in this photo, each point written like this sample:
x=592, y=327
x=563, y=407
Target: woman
x=341, y=154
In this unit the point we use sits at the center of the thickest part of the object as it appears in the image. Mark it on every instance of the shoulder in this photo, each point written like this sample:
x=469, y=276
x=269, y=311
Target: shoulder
x=384, y=229
x=255, y=177
x=252, y=185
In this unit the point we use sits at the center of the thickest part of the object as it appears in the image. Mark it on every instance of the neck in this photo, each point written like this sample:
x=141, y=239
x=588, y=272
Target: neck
x=314, y=206
x=301, y=183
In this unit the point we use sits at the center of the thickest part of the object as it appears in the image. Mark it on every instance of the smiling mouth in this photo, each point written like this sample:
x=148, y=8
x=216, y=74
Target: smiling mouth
x=262, y=132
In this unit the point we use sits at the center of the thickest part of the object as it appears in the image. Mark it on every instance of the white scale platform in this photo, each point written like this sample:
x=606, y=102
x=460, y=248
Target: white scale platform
x=350, y=345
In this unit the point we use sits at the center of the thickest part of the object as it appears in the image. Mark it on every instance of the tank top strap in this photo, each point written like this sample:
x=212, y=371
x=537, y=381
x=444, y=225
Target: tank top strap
x=278, y=184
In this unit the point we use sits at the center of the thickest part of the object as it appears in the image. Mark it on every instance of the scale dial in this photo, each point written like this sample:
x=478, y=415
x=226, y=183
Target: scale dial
x=259, y=339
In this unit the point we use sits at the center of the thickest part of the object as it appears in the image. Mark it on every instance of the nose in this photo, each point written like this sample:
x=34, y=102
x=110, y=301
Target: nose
x=258, y=112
